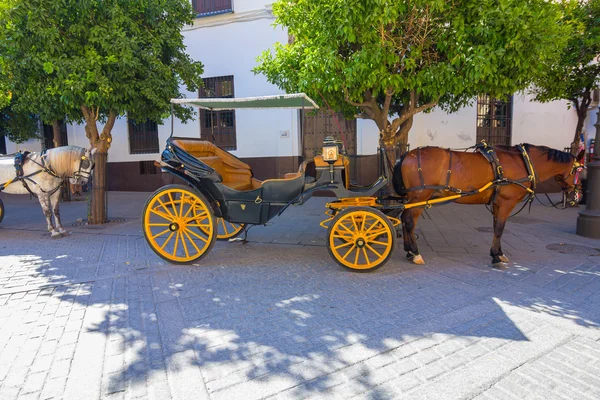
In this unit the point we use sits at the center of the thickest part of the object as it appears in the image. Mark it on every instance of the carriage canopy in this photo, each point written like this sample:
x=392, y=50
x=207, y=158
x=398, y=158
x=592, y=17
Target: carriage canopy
x=290, y=101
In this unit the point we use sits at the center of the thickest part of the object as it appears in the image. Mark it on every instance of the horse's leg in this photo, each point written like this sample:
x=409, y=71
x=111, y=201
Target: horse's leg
x=46, y=209
x=55, y=201
x=409, y=222
x=502, y=209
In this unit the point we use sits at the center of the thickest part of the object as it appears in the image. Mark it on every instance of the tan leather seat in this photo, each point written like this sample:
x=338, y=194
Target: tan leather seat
x=235, y=173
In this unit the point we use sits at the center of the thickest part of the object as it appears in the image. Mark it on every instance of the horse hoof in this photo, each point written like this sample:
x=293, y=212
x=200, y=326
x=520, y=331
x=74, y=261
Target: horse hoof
x=499, y=265
x=418, y=259
x=410, y=256
x=55, y=235
x=503, y=258
x=64, y=233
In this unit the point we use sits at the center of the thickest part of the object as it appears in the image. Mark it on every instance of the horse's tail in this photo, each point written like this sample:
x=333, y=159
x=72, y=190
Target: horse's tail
x=397, y=177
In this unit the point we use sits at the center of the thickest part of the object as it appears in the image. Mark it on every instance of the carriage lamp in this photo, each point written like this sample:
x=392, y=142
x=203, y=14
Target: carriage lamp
x=330, y=155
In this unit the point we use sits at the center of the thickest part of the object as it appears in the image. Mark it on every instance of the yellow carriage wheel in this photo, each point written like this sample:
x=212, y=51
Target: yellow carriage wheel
x=179, y=224
x=227, y=230
x=1, y=210
x=361, y=239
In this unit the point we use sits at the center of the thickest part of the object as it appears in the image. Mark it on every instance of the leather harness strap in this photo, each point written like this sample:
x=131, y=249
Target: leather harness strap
x=434, y=187
x=492, y=157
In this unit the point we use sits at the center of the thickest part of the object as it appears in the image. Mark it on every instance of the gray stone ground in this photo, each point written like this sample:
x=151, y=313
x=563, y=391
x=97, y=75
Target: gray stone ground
x=98, y=315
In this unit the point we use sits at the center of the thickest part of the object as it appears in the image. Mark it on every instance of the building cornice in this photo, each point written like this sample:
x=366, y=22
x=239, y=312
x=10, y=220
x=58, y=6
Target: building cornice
x=231, y=18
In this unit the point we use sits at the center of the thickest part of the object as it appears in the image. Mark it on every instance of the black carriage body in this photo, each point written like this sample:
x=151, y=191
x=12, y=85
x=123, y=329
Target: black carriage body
x=269, y=198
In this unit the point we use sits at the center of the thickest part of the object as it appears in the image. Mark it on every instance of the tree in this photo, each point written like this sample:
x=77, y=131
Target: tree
x=575, y=74
x=388, y=60
x=18, y=126
x=95, y=60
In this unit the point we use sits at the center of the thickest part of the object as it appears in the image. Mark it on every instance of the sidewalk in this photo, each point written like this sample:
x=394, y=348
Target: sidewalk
x=98, y=315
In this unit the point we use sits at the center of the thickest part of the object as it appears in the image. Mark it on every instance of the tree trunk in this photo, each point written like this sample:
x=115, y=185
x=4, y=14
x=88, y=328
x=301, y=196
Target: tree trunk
x=578, y=130
x=65, y=194
x=98, y=204
x=97, y=213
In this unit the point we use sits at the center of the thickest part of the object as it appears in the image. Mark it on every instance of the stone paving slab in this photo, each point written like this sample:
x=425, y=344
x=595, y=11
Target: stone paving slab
x=98, y=315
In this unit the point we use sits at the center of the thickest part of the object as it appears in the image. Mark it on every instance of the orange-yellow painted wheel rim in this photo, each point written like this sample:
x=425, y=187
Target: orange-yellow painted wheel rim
x=178, y=225
x=227, y=230
x=361, y=240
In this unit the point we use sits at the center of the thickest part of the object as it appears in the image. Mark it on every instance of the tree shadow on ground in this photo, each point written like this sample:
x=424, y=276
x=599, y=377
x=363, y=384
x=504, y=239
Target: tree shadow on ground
x=285, y=318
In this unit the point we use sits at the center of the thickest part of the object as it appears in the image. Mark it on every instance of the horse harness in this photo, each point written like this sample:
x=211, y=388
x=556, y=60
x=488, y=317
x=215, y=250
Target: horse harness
x=20, y=159
x=489, y=153
x=491, y=156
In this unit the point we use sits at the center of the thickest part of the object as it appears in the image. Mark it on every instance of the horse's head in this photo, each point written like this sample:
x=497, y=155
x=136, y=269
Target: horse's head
x=571, y=183
x=83, y=168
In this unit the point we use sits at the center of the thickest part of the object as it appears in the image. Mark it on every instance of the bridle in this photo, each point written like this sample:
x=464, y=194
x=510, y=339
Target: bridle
x=84, y=164
x=575, y=188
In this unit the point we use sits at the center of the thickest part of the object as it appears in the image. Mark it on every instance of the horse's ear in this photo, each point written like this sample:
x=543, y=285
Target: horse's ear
x=93, y=151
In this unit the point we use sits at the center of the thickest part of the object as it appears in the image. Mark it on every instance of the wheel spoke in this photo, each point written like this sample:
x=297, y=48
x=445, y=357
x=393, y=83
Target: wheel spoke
x=345, y=237
x=202, y=217
x=176, y=243
x=224, y=227
x=160, y=234
x=342, y=245
x=161, y=214
x=357, y=254
x=181, y=202
x=198, y=236
x=354, y=223
x=364, y=249
x=165, y=207
x=189, y=209
x=349, y=251
x=376, y=233
x=172, y=203
x=373, y=250
x=159, y=224
x=167, y=241
x=346, y=228
x=379, y=243
x=185, y=231
x=187, y=254
x=199, y=225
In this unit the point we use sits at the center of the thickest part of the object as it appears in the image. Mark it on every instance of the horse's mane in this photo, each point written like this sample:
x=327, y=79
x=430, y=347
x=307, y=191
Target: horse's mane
x=62, y=159
x=552, y=154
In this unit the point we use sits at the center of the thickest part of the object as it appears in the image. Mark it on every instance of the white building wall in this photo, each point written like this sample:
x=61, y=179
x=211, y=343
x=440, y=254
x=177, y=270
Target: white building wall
x=30, y=145
x=549, y=124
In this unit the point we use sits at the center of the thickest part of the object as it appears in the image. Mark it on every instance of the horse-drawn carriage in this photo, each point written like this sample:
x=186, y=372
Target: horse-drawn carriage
x=222, y=198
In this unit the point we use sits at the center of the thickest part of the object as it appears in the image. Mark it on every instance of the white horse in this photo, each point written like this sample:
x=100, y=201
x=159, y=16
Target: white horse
x=43, y=173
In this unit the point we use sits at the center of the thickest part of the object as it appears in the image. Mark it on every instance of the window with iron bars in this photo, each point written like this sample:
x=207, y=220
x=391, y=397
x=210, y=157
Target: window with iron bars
x=494, y=120
x=218, y=126
x=143, y=137
x=206, y=8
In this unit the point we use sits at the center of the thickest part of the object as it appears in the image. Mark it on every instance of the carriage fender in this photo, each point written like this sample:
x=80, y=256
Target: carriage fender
x=203, y=186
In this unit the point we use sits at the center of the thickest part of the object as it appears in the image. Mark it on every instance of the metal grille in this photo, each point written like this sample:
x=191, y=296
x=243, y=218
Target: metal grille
x=147, y=168
x=494, y=120
x=48, y=142
x=211, y=7
x=143, y=137
x=218, y=126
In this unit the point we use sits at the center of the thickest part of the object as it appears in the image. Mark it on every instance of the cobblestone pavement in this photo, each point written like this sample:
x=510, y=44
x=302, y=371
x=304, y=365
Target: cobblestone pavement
x=98, y=315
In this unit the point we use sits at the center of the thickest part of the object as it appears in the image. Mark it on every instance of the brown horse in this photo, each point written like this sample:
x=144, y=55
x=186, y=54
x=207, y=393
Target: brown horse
x=432, y=172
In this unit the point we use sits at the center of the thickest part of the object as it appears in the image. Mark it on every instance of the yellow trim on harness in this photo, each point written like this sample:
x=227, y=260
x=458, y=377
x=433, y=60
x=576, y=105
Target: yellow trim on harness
x=428, y=203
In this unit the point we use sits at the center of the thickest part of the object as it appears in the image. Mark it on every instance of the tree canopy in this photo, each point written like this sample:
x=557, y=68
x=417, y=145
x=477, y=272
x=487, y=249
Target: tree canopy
x=395, y=58
x=94, y=60
x=97, y=59
x=576, y=72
